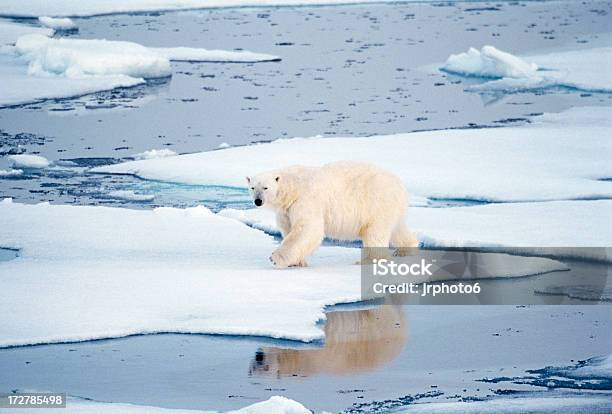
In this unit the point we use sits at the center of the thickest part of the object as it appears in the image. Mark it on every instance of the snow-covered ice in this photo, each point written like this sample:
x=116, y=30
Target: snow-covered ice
x=577, y=69
x=18, y=87
x=94, y=57
x=39, y=67
x=10, y=31
x=75, y=405
x=11, y=172
x=35, y=8
x=489, y=62
x=594, y=368
x=569, y=154
x=164, y=270
x=154, y=154
x=28, y=161
x=62, y=23
x=540, y=403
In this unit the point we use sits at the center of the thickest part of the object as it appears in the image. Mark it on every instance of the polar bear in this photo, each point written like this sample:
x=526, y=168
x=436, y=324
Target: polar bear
x=344, y=200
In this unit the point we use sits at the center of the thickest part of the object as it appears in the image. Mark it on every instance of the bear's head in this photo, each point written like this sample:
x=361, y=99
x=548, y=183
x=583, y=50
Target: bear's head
x=264, y=189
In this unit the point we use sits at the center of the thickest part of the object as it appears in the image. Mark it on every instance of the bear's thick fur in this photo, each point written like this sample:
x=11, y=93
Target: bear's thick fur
x=343, y=200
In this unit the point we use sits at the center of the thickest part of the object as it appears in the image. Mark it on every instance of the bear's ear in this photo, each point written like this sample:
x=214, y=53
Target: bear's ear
x=248, y=179
x=277, y=178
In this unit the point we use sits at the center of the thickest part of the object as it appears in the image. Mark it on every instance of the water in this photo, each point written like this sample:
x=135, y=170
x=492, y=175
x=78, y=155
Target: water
x=373, y=357
x=346, y=71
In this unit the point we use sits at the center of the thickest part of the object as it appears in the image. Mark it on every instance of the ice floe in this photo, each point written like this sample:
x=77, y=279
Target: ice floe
x=75, y=405
x=94, y=57
x=489, y=62
x=28, y=161
x=591, y=374
x=154, y=154
x=62, y=23
x=540, y=403
x=11, y=172
x=559, y=156
x=577, y=69
x=10, y=31
x=39, y=67
x=164, y=270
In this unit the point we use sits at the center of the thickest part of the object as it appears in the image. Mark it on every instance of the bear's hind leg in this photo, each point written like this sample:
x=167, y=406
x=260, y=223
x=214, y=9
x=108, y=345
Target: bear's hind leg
x=404, y=241
x=375, y=240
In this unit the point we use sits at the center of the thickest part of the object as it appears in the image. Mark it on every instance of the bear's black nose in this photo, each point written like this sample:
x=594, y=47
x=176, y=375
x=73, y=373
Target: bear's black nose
x=258, y=202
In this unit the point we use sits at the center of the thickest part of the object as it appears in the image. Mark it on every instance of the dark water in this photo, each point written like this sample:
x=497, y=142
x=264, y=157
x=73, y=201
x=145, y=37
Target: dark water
x=346, y=71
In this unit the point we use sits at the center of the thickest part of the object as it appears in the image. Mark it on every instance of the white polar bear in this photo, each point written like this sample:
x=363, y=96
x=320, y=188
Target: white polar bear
x=343, y=200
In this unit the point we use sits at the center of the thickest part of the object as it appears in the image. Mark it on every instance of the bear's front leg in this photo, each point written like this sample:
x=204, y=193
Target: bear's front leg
x=279, y=261
x=303, y=238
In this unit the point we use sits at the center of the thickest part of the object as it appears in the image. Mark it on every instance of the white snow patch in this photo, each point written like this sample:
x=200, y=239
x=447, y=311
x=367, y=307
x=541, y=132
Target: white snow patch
x=489, y=62
x=154, y=154
x=599, y=369
x=560, y=156
x=75, y=58
x=10, y=173
x=130, y=195
x=164, y=270
x=10, y=32
x=74, y=405
x=579, y=69
x=98, y=57
x=223, y=145
x=61, y=23
x=28, y=161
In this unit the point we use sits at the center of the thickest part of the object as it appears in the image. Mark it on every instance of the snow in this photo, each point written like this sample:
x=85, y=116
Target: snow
x=536, y=404
x=17, y=88
x=164, y=270
x=35, y=8
x=595, y=368
x=130, y=195
x=98, y=57
x=577, y=69
x=154, y=154
x=28, y=161
x=569, y=154
x=10, y=32
x=11, y=172
x=75, y=405
x=535, y=228
x=489, y=62
x=58, y=23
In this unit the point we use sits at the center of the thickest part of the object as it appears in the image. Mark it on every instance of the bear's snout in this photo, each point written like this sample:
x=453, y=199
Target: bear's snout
x=258, y=202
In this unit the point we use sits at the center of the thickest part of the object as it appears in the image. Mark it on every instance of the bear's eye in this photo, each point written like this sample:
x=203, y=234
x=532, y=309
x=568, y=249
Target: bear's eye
x=265, y=188
x=252, y=188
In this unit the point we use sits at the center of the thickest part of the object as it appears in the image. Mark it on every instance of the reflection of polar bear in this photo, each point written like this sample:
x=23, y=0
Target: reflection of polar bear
x=342, y=200
x=355, y=341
